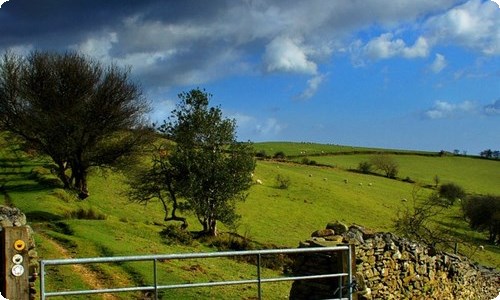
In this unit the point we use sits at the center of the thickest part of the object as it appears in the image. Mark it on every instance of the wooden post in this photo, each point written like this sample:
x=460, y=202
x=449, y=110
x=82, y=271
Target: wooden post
x=14, y=263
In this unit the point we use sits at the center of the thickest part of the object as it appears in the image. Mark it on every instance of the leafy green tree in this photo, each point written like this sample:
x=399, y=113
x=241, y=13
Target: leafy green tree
x=385, y=163
x=483, y=213
x=158, y=182
x=72, y=109
x=214, y=168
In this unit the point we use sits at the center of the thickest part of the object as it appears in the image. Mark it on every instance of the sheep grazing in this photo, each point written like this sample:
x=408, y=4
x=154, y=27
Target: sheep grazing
x=360, y=184
x=258, y=181
x=324, y=179
x=370, y=184
x=481, y=248
x=310, y=175
x=404, y=200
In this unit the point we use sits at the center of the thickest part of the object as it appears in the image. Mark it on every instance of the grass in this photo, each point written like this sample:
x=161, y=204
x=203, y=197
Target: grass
x=270, y=215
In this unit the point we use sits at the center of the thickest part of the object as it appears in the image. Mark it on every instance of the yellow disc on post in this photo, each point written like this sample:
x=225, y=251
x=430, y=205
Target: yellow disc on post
x=19, y=245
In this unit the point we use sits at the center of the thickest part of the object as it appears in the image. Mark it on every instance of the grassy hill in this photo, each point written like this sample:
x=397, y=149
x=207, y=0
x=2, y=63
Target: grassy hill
x=108, y=224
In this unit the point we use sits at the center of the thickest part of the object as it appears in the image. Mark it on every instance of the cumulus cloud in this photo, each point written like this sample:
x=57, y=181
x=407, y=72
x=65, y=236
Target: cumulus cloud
x=492, y=109
x=439, y=63
x=387, y=46
x=444, y=109
x=288, y=55
x=474, y=24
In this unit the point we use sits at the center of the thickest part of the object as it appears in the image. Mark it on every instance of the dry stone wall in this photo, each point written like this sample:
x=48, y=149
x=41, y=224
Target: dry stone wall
x=390, y=267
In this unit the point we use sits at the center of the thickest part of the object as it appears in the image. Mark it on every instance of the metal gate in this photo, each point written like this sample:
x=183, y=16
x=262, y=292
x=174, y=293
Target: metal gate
x=157, y=287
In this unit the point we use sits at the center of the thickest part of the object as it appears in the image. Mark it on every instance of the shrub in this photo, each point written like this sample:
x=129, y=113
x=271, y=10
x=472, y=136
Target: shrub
x=173, y=234
x=283, y=182
x=279, y=155
x=261, y=154
x=86, y=214
x=365, y=167
x=305, y=161
x=451, y=192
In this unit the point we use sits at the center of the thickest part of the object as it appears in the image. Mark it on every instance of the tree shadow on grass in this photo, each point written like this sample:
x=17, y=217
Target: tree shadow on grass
x=43, y=216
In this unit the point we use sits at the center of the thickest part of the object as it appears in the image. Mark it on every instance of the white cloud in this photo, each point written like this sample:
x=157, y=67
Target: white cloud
x=270, y=127
x=312, y=86
x=443, y=109
x=98, y=47
x=2, y=2
x=22, y=50
x=284, y=54
x=498, y=3
x=439, y=63
x=386, y=46
x=492, y=109
x=474, y=24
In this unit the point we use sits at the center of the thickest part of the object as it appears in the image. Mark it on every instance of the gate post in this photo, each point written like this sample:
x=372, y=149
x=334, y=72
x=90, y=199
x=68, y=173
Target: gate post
x=15, y=262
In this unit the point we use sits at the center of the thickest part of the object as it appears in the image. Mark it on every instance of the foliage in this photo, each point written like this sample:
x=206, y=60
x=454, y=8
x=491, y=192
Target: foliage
x=365, y=167
x=483, y=213
x=280, y=155
x=488, y=153
x=158, y=182
x=214, y=170
x=72, y=109
x=416, y=221
x=451, y=192
x=173, y=234
x=283, y=182
x=385, y=163
x=85, y=214
x=261, y=154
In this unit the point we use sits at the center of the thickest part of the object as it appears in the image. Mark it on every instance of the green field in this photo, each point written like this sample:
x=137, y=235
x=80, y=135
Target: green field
x=283, y=217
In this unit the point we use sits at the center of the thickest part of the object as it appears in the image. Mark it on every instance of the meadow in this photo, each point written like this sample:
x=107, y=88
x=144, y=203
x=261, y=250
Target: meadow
x=316, y=195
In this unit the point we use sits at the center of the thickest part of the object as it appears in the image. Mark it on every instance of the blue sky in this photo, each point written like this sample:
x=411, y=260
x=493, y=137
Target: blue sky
x=421, y=75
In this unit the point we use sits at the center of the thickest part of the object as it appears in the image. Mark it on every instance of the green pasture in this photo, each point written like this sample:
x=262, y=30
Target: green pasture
x=270, y=215
x=315, y=149
x=475, y=175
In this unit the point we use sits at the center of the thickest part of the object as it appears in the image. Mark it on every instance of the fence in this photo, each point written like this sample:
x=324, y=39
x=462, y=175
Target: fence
x=345, y=274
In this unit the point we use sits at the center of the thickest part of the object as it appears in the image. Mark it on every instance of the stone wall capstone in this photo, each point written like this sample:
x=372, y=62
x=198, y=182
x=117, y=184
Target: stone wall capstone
x=391, y=267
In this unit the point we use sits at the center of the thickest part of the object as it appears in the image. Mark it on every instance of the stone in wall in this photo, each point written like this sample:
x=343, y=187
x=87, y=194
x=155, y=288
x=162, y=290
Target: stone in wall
x=390, y=267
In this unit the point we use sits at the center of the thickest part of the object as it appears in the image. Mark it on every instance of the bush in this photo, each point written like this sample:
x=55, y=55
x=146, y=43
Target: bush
x=451, y=192
x=305, y=161
x=483, y=213
x=279, y=155
x=283, y=182
x=83, y=214
x=173, y=234
x=261, y=154
x=365, y=167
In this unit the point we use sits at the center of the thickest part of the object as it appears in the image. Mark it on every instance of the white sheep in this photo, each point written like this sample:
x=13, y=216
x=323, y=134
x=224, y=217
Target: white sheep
x=360, y=184
x=370, y=184
x=481, y=248
x=259, y=181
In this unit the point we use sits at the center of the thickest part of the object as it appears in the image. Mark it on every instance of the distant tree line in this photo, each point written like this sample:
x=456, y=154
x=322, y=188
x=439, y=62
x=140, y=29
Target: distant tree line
x=488, y=153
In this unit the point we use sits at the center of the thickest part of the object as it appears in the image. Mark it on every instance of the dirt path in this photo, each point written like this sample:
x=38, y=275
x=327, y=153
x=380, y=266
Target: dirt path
x=89, y=277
